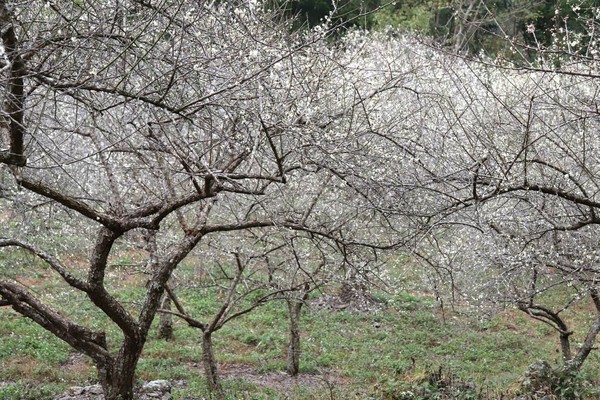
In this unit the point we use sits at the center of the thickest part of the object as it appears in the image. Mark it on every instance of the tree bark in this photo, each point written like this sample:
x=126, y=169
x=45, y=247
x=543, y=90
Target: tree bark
x=118, y=378
x=210, y=363
x=565, y=345
x=588, y=344
x=165, y=321
x=14, y=99
x=293, y=356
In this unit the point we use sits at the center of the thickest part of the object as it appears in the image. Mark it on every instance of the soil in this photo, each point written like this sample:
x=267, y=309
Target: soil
x=279, y=381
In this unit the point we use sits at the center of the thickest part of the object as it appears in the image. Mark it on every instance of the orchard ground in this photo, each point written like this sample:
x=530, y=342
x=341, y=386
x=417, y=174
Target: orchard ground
x=405, y=343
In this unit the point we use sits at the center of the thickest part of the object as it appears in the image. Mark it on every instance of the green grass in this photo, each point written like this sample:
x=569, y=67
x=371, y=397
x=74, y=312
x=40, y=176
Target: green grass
x=350, y=354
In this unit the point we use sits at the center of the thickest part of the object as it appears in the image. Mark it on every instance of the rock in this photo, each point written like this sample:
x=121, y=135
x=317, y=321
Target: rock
x=77, y=390
x=92, y=392
x=540, y=379
x=95, y=390
x=155, y=390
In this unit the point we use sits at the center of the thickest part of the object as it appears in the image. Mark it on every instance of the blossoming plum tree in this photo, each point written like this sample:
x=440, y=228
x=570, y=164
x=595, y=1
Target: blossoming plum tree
x=144, y=127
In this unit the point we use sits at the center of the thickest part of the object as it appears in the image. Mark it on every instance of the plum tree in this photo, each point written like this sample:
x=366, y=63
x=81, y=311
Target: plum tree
x=148, y=126
x=138, y=129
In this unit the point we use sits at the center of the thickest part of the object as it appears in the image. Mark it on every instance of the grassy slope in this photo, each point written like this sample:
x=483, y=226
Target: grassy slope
x=353, y=355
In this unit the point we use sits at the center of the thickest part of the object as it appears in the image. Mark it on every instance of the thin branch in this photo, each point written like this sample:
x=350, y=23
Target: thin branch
x=54, y=263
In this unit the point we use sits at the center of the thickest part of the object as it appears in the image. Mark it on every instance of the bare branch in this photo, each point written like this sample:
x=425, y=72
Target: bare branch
x=87, y=341
x=54, y=263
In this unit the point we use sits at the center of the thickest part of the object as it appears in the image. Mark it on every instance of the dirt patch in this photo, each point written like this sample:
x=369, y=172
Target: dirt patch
x=278, y=380
x=365, y=304
x=21, y=366
x=77, y=364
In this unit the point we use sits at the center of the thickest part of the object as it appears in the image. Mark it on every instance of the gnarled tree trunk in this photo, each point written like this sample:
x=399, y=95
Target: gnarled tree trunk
x=209, y=362
x=118, y=378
